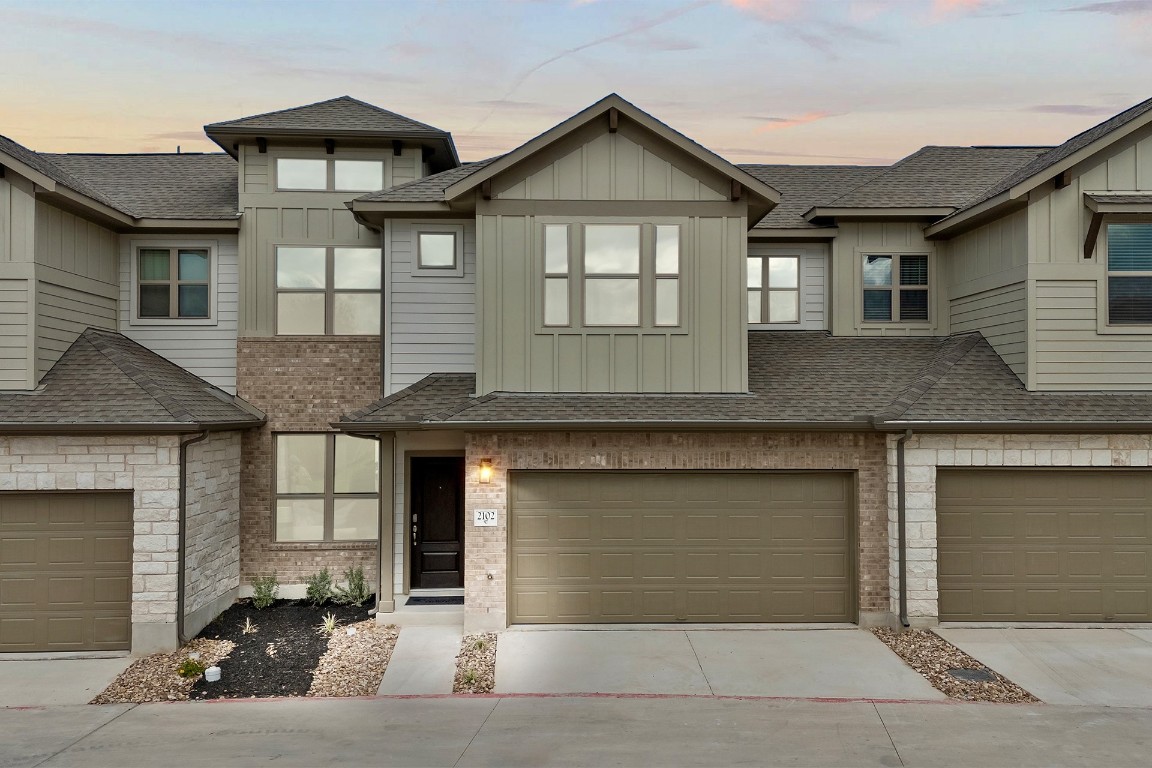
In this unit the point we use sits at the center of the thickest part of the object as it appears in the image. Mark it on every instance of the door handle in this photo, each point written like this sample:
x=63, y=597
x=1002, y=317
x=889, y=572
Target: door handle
x=413, y=535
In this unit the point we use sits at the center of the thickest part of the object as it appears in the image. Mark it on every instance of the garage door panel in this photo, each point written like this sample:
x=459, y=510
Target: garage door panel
x=710, y=547
x=1077, y=550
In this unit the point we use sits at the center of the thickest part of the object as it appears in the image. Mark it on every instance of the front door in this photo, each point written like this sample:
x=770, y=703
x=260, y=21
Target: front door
x=437, y=522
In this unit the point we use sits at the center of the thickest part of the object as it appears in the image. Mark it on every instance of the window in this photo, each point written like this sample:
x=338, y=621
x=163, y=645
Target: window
x=327, y=291
x=173, y=283
x=626, y=275
x=322, y=175
x=773, y=289
x=436, y=250
x=896, y=287
x=1130, y=274
x=327, y=488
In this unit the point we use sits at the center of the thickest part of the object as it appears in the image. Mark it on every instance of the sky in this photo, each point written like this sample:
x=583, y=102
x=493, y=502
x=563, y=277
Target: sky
x=757, y=81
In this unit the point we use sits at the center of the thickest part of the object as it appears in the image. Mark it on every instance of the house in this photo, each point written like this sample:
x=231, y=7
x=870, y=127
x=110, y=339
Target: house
x=608, y=377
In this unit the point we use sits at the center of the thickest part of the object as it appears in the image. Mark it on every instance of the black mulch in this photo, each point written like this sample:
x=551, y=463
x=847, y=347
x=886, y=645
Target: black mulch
x=279, y=657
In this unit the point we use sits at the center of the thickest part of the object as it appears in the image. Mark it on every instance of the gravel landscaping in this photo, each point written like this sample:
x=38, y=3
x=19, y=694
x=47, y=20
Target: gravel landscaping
x=476, y=664
x=355, y=661
x=944, y=665
x=154, y=678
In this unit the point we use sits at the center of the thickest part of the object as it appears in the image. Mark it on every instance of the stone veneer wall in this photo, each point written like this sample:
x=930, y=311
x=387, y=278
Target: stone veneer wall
x=302, y=383
x=924, y=453
x=486, y=549
x=149, y=466
x=212, y=529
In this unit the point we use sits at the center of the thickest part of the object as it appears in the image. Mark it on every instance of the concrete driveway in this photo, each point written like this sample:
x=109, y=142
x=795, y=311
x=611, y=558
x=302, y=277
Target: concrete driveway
x=1102, y=667
x=56, y=681
x=840, y=663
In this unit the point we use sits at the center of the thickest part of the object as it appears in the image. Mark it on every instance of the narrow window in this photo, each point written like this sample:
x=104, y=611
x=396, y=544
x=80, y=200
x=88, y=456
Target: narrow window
x=774, y=289
x=612, y=274
x=173, y=283
x=297, y=173
x=556, y=274
x=327, y=291
x=667, y=275
x=327, y=487
x=1130, y=274
x=896, y=287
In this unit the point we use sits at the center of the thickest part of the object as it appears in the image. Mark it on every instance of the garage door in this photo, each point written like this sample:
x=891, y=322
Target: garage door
x=65, y=571
x=1045, y=545
x=620, y=547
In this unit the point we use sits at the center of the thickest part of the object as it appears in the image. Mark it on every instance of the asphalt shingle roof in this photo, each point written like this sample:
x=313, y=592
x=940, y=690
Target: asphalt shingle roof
x=44, y=165
x=804, y=186
x=937, y=177
x=185, y=186
x=105, y=378
x=1120, y=197
x=429, y=189
x=343, y=113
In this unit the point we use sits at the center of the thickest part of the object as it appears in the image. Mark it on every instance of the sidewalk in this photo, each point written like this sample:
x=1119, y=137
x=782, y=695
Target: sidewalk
x=555, y=731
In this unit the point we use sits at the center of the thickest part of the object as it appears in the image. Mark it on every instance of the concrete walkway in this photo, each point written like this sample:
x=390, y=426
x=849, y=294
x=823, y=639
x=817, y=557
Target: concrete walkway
x=46, y=681
x=837, y=663
x=1102, y=667
x=423, y=662
x=534, y=731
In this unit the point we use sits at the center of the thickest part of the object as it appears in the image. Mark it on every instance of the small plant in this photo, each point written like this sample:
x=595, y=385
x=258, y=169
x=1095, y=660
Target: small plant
x=319, y=588
x=357, y=590
x=469, y=677
x=248, y=627
x=480, y=644
x=190, y=668
x=327, y=625
x=264, y=589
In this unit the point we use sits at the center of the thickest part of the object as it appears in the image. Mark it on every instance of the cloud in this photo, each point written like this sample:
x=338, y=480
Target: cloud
x=749, y=152
x=771, y=11
x=943, y=8
x=1114, y=8
x=1072, y=109
x=780, y=123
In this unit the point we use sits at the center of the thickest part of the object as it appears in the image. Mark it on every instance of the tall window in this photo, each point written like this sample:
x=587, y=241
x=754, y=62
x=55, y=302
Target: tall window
x=327, y=488
x=173, y=283
x=667, y=303
x=326, y=174
x=612, y=274
x=773, y=289
x=556, y=274
x=896, y=287
x=1130, y=274
x=327, y=291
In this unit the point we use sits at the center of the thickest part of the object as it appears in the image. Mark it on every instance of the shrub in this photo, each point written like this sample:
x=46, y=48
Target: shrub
x=319, y=588
x=357, y=590
x=190, y=668
x=265, y=589
x=327, y=625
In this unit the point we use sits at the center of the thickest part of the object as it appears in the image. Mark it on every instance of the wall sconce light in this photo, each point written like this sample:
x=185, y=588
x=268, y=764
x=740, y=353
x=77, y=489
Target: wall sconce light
x=485, y=470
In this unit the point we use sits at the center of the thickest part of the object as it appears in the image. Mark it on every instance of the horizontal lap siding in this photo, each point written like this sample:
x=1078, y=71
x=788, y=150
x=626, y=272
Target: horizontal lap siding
x=14, y=350
x=431, y=320
x=62, y=314
x=1001, y=314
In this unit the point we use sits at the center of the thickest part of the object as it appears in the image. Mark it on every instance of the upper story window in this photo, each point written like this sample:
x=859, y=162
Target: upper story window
x=327, y=290
x=895, y=287
x=1130, y=274
x=324, y=175
x=773, y=289
x=623, y=275
x=172, y=283
x=327, y=487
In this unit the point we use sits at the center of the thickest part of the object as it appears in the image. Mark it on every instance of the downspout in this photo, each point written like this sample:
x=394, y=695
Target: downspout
x=902, y=528
x=182, y=556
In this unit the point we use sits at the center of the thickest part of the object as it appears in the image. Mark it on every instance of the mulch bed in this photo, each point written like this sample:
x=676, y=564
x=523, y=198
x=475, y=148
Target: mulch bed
x=277, y=658
x=940, y=663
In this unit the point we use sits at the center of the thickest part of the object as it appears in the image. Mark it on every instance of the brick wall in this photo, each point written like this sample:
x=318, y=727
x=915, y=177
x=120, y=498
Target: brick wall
x=302, y=383
x=486, y=548
x=212, y=522
x=924, y=453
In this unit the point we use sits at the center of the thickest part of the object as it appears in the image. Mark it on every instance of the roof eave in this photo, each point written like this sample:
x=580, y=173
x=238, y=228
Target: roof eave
x=805, y=233
x=892, y=212
x=659, y=426
x=230, y=224
x=1014, y=426
x=1106, y=206
x=969, y=218
x=225, y=136
x=136, y=428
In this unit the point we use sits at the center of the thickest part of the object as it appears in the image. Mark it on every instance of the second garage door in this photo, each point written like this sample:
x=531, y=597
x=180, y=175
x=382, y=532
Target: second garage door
x=1045, y=545
x=640, y=547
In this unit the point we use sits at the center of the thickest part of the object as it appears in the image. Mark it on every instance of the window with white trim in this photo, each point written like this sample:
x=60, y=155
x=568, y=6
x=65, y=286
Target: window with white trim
x=1130, y=274
x=327, y=488
x=773, y=289
x=327, y=290
x=895, y=287
x=329, y=175
x=173, y=283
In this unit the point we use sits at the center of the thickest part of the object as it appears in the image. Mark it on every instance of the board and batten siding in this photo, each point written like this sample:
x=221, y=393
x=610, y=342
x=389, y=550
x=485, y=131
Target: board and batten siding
x=430, y=319
x=17, y=284
x=207, y=350
x=857, y=239
x=813, y=283
x=1074, y=348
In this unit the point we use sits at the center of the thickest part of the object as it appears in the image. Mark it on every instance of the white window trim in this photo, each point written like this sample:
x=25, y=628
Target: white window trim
x=134, y=247
x=932, y=287
x=419, y=227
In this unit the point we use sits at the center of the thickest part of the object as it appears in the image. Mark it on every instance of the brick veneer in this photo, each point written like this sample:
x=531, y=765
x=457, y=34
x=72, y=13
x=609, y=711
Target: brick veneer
x=302, y=383
x=486, y=549
x=924, y=453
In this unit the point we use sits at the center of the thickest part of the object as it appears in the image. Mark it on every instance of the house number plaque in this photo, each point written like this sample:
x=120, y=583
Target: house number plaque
x=484, y=517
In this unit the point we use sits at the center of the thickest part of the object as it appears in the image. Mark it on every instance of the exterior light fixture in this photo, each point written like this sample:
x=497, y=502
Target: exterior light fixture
x=485, y=470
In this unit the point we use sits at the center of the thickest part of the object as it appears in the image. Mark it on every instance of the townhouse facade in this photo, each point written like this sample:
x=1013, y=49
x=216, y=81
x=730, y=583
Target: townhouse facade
x=608, y=377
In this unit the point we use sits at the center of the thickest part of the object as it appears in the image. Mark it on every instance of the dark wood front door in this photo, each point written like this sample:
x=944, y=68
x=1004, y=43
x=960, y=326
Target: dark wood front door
x=437, y=522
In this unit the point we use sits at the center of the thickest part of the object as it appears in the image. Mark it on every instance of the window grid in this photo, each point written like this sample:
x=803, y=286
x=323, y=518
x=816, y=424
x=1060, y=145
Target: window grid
x=612, y=282
x=328, y=496
x=295, y=316
x=336, y=173
x=773, y=289
x=895, y=288
x=174, y=282
x=1129, y=272
x=557, y=266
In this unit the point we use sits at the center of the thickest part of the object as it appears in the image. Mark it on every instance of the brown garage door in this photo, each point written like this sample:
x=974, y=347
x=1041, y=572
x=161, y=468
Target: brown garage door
x=618, y=547
x=65, y=571
x=1045, y=545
